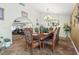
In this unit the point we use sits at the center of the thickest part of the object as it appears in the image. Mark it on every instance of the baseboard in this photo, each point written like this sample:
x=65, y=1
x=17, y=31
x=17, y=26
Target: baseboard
x=74, y=45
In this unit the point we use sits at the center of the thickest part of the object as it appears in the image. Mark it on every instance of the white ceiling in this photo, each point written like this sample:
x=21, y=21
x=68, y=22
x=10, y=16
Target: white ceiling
x=53, y=8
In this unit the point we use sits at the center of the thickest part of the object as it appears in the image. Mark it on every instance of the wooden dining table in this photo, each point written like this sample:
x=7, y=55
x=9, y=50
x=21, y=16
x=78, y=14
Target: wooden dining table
x=42, y=37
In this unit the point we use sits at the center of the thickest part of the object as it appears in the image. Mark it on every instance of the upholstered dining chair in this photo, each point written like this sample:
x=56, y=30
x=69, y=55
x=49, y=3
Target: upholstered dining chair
x=54, y=40
x=30, y=42
x=41, y=35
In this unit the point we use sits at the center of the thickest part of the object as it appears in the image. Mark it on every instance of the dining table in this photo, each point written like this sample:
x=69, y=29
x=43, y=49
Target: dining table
x=42, y=37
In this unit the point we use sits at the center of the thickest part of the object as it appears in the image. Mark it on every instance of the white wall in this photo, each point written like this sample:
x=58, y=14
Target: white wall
x=11, y=12
x=62, y=19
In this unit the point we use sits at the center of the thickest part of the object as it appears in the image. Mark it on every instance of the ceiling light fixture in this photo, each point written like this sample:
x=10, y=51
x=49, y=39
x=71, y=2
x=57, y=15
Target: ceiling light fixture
x=48, y=17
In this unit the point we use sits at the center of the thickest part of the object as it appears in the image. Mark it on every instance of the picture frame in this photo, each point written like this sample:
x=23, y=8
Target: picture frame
x=1, y=13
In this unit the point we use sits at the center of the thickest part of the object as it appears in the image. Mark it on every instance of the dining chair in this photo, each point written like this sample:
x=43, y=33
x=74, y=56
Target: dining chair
x=41, y=35
x=54, y=39
x=30, y=42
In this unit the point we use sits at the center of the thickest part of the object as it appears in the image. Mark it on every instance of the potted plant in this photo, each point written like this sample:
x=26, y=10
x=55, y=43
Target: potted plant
x=7, y=42
x=1, y=43
x=41, y=28
x=45, y=30
x=66, y=29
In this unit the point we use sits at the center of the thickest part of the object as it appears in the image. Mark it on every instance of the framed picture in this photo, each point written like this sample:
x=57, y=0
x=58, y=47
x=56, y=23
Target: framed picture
x=1, y=13
x=23, y=13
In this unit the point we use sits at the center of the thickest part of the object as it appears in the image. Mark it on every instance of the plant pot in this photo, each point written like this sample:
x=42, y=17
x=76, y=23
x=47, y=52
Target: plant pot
x=7, y=44
x=0, y=45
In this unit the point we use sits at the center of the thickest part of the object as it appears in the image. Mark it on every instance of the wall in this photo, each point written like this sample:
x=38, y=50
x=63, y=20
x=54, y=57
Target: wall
x=11, y=12
x=61, y=18
x=75, y=28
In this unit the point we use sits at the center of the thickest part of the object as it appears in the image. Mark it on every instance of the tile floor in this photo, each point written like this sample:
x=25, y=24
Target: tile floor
x=18, y=47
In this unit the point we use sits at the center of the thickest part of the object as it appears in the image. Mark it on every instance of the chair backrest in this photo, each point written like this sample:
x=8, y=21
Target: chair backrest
x=55, y=29
x=28, y=35
x=56, y=36
x=41, y=34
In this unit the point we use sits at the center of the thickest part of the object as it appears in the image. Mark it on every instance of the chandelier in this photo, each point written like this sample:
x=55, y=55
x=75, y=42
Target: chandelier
x=48, y=18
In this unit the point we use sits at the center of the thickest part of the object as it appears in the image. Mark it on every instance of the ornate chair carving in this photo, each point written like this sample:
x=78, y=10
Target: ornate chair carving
x=54, y=40
x=30, y=42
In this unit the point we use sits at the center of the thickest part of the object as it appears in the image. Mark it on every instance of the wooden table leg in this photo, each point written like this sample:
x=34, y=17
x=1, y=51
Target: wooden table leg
x=40, y=44
x=43, y=44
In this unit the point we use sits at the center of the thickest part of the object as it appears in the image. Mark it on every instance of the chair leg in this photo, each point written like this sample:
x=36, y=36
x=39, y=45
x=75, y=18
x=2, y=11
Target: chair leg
x=27, y=46
x=40, y=45
x=31, y=51
x=53, y=47
x=43, y=44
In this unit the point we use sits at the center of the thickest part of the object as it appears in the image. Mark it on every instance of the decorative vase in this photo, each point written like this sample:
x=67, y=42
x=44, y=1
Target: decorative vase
x=7, y=42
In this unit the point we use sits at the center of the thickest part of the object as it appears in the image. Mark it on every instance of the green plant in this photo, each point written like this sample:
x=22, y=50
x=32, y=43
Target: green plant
x=36, y=29
x=41, y=28
x=45, y=30
x=0, y=41
x=1, y=37
x=67, y=29
x=6, y=40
